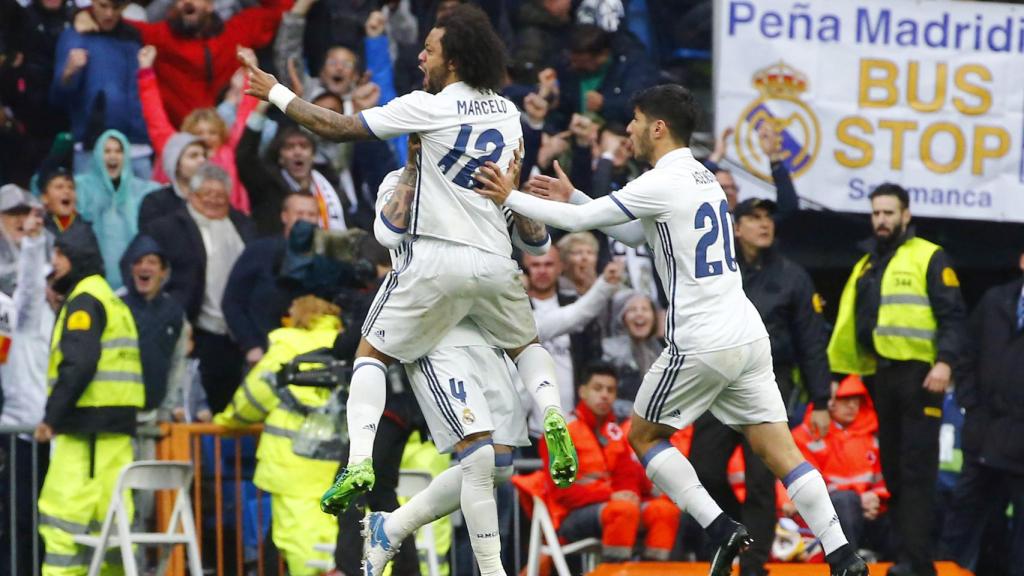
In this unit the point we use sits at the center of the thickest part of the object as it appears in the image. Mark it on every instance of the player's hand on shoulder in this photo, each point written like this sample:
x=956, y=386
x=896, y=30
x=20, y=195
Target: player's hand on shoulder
x=494, y=183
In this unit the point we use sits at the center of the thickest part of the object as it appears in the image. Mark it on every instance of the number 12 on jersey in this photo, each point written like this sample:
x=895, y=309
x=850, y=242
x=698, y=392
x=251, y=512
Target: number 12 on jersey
x=719, y=222
x=489, y=137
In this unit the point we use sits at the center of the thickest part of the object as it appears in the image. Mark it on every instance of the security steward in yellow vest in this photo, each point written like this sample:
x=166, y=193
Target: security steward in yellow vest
x=95, y=387
x=294, y=482
x=900, y=323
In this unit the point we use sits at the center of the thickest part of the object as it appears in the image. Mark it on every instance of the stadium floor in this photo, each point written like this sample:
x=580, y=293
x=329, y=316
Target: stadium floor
x=701, y=569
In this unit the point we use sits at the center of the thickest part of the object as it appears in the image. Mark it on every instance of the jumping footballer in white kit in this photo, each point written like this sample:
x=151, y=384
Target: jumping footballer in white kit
x=459, y=262
x=718, y=356
x=471, y=398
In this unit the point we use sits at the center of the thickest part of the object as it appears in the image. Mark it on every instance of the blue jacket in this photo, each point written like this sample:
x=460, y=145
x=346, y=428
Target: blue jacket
x=114, y=213
x=110, y=71
x=629, y=71
x=159, y=322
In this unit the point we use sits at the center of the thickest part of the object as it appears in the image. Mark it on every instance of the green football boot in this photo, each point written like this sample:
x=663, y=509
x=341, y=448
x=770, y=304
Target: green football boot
x=562, y=458
x=351, y=482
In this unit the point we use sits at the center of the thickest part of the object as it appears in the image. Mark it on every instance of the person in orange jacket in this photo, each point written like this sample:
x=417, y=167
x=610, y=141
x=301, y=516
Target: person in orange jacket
x=848, y=458
x=608, y=496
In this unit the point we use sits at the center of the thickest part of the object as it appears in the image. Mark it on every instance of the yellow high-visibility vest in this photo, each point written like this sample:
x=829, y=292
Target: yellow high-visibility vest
x=118, y=379
x=906, y=324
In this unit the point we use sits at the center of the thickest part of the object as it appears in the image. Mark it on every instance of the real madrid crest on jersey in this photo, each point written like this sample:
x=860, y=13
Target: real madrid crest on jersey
x=779, y=87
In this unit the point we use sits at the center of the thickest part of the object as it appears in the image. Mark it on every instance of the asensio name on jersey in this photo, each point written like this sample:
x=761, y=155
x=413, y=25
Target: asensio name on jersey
x=460, y=128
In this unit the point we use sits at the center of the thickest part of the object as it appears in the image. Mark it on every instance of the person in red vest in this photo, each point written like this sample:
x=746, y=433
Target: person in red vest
x=848, y=458
x=611, y=497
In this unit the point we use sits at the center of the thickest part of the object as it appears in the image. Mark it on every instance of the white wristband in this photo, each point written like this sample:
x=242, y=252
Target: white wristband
x=280, y=96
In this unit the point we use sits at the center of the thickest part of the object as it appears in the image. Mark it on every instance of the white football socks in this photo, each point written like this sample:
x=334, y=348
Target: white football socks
x=537, y=370
x=674, y=475
x=437, y=500
x=440, y=498
x=479, y=508
x=366, y=398
x=807, y=490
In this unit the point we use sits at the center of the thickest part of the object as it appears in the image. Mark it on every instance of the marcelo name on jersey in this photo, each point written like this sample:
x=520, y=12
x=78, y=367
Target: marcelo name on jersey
x=481, y=107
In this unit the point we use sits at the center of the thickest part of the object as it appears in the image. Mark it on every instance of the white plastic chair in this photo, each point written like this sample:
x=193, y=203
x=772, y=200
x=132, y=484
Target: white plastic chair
x=410, y=483
x=541, y=526
x=148, y=475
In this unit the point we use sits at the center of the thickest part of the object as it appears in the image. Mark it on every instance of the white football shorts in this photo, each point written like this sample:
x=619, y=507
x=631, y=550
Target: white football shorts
x=464, y=390
x=437, y=286
x=736, y=384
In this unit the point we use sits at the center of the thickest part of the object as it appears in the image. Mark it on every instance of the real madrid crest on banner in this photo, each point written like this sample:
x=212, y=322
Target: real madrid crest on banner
x=779, y=88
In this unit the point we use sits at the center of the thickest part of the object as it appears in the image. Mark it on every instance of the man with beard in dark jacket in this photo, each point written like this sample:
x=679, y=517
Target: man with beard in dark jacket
x=990, y=388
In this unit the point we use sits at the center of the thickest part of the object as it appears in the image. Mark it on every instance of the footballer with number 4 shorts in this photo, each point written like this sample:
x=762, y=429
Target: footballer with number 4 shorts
x=717, y=357
x=470, y=397
x=458, y=263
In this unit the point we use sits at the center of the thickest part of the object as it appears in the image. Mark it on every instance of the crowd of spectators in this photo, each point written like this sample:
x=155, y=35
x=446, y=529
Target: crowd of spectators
x=126, y=125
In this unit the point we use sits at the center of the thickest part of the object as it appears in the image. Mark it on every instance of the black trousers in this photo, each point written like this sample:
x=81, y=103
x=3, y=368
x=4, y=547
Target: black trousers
x=980, y=497
x=909, y=418
x=387, y=459
x=713, y=445
x=221, y=367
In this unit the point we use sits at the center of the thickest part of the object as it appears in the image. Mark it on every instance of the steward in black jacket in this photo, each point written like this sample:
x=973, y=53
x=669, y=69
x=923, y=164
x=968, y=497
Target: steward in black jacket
x=990, y=388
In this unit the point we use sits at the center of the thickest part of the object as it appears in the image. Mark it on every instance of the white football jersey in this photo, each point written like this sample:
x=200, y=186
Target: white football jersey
x=689, y=230
x=460, y=128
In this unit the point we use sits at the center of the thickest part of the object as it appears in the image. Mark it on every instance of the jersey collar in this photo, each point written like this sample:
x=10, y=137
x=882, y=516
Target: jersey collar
x=677, y=154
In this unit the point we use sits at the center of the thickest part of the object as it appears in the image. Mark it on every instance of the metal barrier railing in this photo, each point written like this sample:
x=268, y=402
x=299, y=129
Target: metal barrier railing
x=20, y=500
x=185, y=442
x=221, y=483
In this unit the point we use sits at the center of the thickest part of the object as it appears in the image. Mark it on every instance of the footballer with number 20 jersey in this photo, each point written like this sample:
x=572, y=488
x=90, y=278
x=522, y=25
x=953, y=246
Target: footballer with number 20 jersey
x=460, y=128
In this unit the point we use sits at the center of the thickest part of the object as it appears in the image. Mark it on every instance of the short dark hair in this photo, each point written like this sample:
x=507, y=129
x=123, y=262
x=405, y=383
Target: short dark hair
x=673, y=105
x=470, y=43
x=598, y=368
x=589, y=39
x=293, y=194
x=892, y=189
x=285, y=131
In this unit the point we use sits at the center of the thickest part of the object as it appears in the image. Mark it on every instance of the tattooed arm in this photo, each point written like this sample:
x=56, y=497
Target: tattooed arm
x=324, y=122
x=327, y=123
x=394, y=201
x=532, y=233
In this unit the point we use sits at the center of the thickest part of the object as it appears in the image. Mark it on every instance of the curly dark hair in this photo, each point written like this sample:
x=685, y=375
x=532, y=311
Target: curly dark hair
x=471, y=44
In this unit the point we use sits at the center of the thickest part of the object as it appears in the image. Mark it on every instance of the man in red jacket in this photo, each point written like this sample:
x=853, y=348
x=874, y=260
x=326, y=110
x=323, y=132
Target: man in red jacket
x=608, y=498
x=197, y=50
x=848, y=459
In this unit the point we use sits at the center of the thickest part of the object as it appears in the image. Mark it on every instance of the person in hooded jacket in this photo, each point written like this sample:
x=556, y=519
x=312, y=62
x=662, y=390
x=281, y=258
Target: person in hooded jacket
x=633, y=345
x=295, y=482
x=847, y=456
x=159, y=318
x=109, y=195
x=95, y=390
x=182, y=156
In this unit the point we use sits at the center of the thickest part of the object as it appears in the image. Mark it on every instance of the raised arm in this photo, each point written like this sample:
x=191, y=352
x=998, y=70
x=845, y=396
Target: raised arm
x=324, y=122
